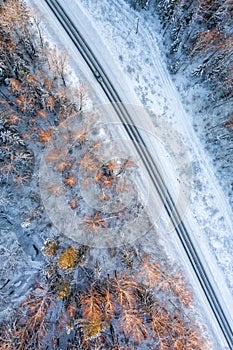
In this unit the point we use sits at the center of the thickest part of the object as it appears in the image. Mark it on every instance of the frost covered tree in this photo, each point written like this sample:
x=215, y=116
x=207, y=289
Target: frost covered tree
x=140, y=3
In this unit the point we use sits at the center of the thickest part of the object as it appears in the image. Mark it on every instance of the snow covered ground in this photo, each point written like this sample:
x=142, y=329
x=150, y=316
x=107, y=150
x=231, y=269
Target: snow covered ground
x=143, y=64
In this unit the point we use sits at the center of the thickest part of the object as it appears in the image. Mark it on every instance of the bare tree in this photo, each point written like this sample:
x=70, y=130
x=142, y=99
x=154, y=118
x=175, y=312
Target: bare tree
x=57, y=61
x=37, y=22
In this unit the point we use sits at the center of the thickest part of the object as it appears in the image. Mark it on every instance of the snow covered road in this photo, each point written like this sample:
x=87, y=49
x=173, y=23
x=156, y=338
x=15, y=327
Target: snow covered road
x=139, y=56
